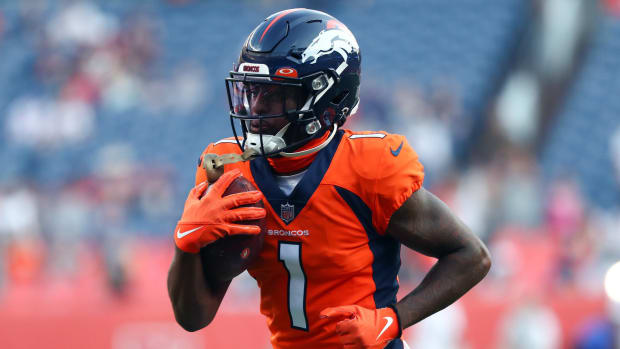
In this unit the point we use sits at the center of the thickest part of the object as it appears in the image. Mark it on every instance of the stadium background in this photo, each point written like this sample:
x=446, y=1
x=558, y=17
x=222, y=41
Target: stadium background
x=513, y=106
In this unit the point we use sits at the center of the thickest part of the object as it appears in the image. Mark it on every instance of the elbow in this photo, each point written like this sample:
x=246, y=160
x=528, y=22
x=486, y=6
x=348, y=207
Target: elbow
x=191, y=317
x=483, y=260
x=189, y=327
x=475, y=260
x=190, y=324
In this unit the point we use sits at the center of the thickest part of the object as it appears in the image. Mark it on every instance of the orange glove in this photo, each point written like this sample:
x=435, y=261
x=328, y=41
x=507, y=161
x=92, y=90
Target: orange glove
x=210, y=217
x=359, y=327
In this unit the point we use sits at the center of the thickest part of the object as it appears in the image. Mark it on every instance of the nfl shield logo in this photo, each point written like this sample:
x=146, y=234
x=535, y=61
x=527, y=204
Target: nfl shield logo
x=287, y=212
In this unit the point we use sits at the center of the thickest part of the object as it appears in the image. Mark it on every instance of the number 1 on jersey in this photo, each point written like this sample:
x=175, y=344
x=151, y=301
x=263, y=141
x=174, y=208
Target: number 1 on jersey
x=289, y=253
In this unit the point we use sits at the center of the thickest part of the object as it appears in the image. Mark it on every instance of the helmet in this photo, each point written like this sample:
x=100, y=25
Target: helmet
x=306, y=65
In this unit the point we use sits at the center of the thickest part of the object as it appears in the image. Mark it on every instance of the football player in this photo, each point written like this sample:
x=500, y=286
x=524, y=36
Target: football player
x=338, y=204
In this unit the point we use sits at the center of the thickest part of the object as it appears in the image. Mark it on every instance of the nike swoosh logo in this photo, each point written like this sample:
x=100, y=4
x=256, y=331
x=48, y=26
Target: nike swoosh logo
x=397, y=151
x=181, y=235
x=387, y=318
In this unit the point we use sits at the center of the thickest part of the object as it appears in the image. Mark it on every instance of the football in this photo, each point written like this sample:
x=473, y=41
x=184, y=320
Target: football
x=232, y=255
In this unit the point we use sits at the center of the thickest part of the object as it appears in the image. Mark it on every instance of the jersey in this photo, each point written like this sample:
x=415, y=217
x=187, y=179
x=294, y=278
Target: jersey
x=325, y=243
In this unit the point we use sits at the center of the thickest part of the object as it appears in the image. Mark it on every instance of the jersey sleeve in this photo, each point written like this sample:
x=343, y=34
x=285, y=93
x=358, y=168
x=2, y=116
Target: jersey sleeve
x=399, y=175
x=201, y=175
x=223, y=146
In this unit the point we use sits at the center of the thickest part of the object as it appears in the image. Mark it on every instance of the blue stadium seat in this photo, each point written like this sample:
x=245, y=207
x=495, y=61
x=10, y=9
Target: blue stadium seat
x=579, y=141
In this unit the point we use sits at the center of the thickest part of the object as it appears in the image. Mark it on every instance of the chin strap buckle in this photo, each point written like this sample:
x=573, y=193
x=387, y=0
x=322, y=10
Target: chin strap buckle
x=213, y=164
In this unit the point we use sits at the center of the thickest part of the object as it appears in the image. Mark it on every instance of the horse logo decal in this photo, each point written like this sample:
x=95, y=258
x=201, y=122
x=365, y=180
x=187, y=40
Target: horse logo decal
x=330, y=40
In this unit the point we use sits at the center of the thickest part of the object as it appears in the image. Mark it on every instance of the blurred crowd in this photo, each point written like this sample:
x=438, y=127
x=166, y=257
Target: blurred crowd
x=84, y=63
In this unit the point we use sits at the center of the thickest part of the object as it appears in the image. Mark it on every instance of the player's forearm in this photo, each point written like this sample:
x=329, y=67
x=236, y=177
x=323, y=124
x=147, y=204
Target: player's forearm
x=450, y=278
x=194, y=300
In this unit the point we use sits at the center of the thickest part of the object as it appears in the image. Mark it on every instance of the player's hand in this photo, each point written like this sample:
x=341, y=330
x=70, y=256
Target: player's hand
x=360, y=327
x=209, y=217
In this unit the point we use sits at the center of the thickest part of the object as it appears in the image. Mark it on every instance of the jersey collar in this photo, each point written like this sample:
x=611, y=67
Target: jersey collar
x=289, y=206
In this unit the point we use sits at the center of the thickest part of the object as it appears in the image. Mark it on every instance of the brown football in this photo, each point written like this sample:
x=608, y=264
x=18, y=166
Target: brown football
x=232, y=255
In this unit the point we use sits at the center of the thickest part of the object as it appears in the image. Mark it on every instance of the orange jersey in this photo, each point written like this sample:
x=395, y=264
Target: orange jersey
x=325, y=244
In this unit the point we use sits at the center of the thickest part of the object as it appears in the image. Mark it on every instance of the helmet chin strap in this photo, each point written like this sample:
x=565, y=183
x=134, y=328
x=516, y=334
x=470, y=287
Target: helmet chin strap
x=213, y=164
x=314, y=149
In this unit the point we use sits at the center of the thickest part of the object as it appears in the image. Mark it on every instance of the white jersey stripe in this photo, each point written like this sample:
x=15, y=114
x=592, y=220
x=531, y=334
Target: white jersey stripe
x=225, y=141
x=370, y=135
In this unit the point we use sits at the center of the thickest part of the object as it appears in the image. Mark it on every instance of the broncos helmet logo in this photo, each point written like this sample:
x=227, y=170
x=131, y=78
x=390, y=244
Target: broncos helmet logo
x=329, y=41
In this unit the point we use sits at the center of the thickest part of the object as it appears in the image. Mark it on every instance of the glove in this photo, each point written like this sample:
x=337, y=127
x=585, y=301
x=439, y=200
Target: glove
x=209, y=217
x=359, y=327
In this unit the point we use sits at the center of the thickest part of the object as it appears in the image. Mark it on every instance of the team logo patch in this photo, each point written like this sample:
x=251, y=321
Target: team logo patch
x=337, y=38
x=287, y=212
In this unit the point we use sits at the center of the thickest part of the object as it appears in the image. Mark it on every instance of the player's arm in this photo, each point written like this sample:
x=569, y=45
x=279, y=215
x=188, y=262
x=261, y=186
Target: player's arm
x=195, y=300
x=425, y=224
x=405, y=211
x=207, y=216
